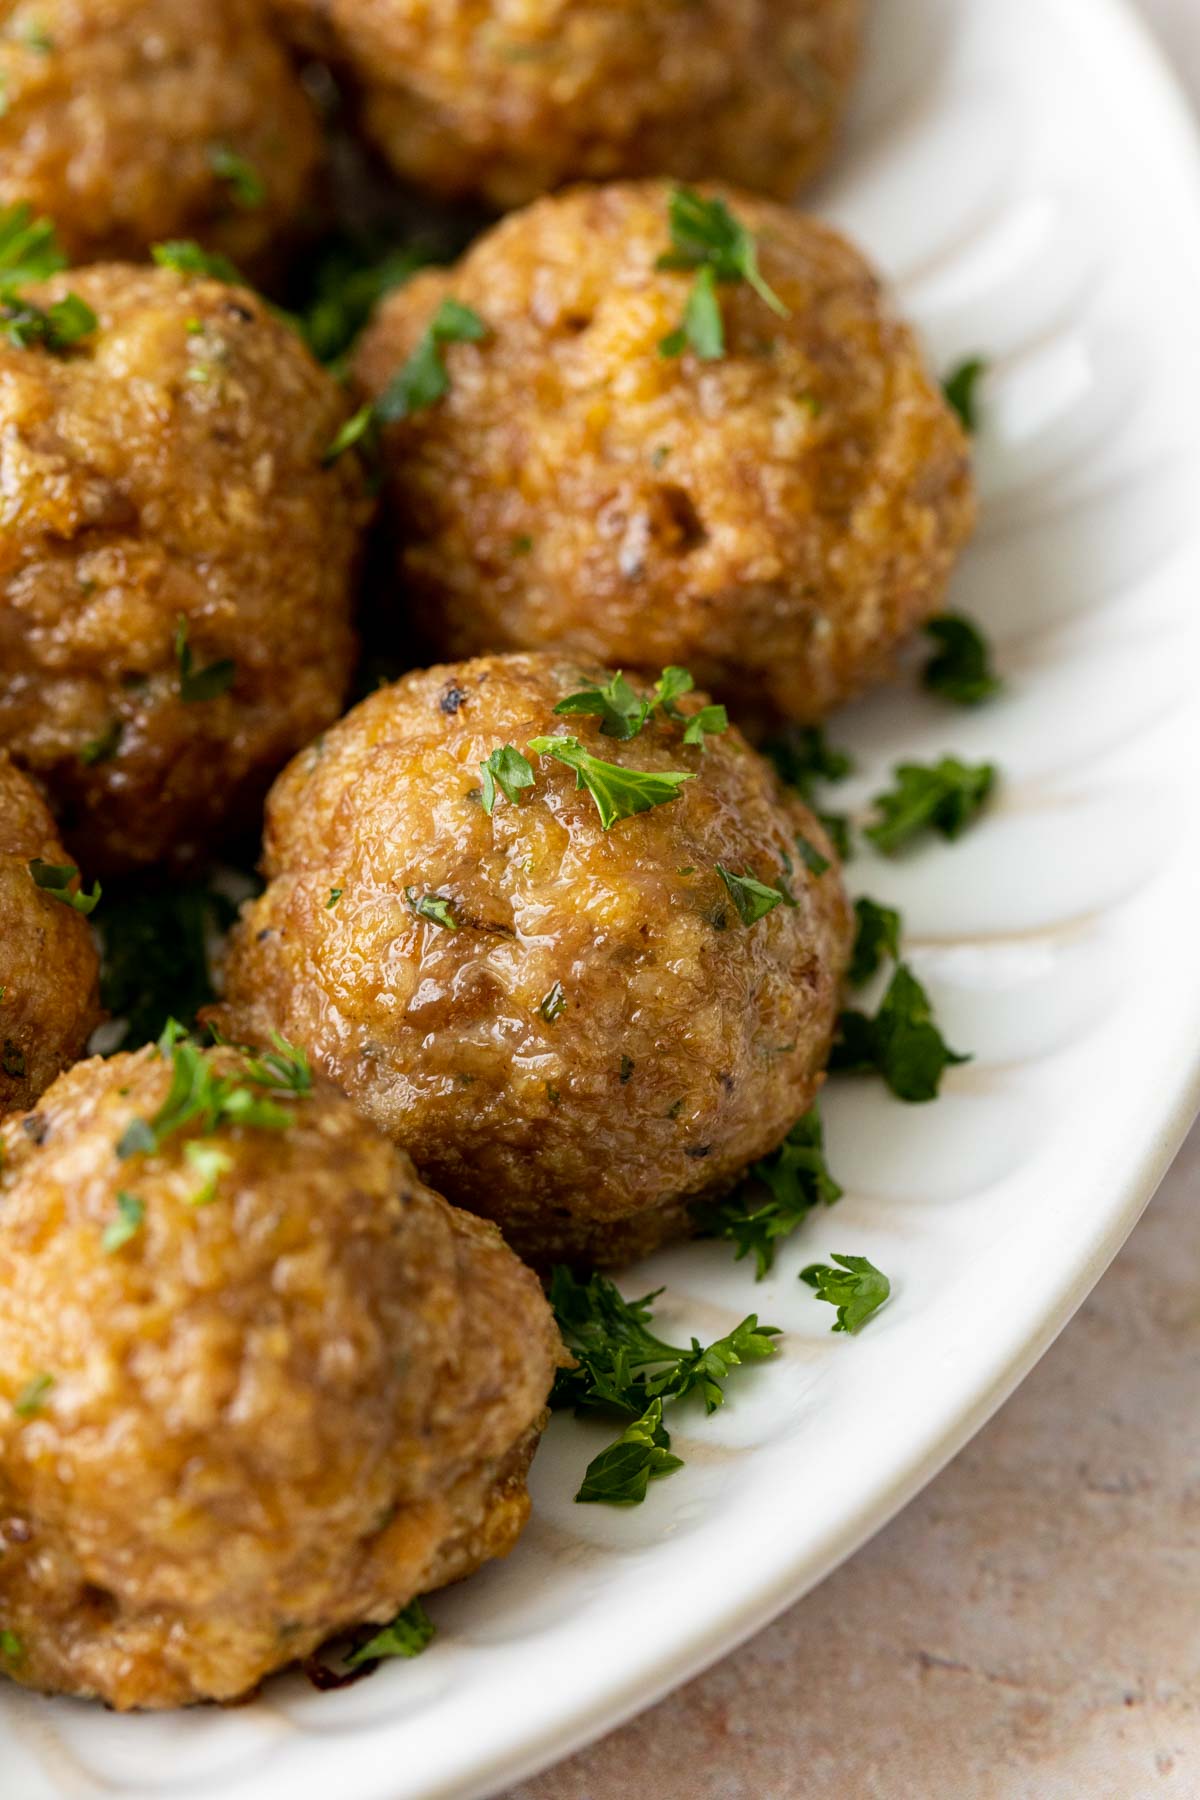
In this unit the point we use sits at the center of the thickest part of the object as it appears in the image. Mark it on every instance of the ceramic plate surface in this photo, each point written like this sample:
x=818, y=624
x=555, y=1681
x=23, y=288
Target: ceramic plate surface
x=1028, y=178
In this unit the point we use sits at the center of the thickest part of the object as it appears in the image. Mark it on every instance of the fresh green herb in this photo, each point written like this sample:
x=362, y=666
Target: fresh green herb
x=285, y=1067
x=103, y=748
x=877, y=936
x=34, y=36
x=753, y=899
x=710, y=721
x=901, y=1042
x=618, y=792
x=155, y=955
x=56, y=327
x=202, y=1097
x=961, y=389
x=945, y=796
x=335, y=895
x=55, y=879
x=620, y=1475
x=797, y=1180
x=187, y=258
x=348, y=281
x=802, y=758
x=837, y=829
x=553, y=1004
x=508, y=771
x=434, y=907
x=130, y=1214
x=200, y=684
x=703, y=328
x=960, y=669
x=621, y=713
x=243, y=180
x=706, y=237
x=29, y=248
x=811, y=857
x=352, y=431
x=522, y=544
x=11, y=1647
x=857, y=1288
x=424, y=379
x=410, y=1632
x=32, y=1396
x=210, y=1163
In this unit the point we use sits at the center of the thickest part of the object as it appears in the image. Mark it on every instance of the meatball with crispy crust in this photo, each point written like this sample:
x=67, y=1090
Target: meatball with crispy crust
x=128, y=121
x=502, y=103
x=779, y=517
x=48, y=965
x=177, y=561
x=257, y=1383
x=571, y=1029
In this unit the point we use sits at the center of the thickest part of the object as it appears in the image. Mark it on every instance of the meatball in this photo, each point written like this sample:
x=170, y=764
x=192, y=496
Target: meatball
x=129, y=121
x=473, y=99
x=49, y=971
x=258, y=1383
x=778, y=518
x=571, y=1029
x=176, y=564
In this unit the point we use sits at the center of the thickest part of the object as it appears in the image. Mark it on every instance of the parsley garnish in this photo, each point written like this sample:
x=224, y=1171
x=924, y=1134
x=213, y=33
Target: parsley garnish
x=857, y=1288
x=130, y=1213
x=814, y=861
x=187, y=258
x=960, y=669
x=945, y=796
x=103, y=748
x=29, y=248
x=706, y=237
x=553, y=1004
x=796, y=1179
x=623, y=714
x=620, y=1475
x=901, y=1042
x=32, y=1396
x=961, y=388
x=155, y=960
x=617, y=791
x=200, y=684
x=434, y=907
x=410, y=1632
x=199, y=1096
x=424, y=379
x=803, y=756
x=56, y=327
x=348, y=282
x=55, y=879
x=335, y=895
x=752, y=898
x=507, y=770
x=11, y=1647
x=243, y=180
x=877, y=936
x=355, y=428
x=285, y=1067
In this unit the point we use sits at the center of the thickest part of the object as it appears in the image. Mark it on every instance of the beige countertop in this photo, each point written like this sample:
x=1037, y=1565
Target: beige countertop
x=1029, y=1628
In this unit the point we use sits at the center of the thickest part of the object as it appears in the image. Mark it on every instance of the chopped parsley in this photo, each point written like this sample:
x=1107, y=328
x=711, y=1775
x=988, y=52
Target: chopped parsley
x=55, y=879
x=155, y=960
x=11, y=1647
x=104, y=747
x=434, y=907
x=707, y=238
x=201, y=1097
x=188, y=258
x=618, y=792
x=961, y=388
x=285, y=1067
x=620, y=1475
x=353, y=430
x=901, y=1042
x=424, y=379
x=797, y=1181
x=856, y=1287
x=210, y=1162
x=960, y=668
x=945, y=796
x=752, y=898
x=506, y=771
x=29, y=248
x=335, y=895
x=33, y=1396
x=877, y=935
x=56, y=328
x=813, y=859
x=196, y=684
x=245, y=184
x=130, y=1214
x=410, y=1632
x=623, y=713
x=803, y=756
x=553, y=1004
x=348, y=281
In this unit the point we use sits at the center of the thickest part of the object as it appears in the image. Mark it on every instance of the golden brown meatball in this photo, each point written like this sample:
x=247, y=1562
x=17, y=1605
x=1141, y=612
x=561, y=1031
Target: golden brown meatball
x=473, y=98
x=778, y=518
x=570, y=1029
x=128, y=121
x=49, y=971
x=167, y=469
x=257, y=1383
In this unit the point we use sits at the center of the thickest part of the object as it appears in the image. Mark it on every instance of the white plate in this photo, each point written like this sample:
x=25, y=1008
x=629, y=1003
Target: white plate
x=1028, y=175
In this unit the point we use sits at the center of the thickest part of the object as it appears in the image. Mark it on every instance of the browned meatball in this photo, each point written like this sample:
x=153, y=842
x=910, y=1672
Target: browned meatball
x=473, y=98
x=49, y=971
x=257, y=1384
x=176, y=565
x=570, y=1029
x=128, y=121
x=777, y=518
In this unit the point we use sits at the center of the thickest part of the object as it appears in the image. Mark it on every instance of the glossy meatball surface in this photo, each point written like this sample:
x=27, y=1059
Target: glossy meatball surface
x=48, y=966
x=129, y=121
x=176, y=564
x=277, y=1389
x=778, y=518
x=570, y=1029
x=502, y=103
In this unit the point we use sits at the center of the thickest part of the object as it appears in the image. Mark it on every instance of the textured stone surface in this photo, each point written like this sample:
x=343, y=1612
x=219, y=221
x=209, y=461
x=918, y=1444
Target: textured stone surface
x=1028, y=1629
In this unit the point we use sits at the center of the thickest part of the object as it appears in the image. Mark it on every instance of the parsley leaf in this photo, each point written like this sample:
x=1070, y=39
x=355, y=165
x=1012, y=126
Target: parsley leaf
x=814, y=861
x=410, y=1632
x=11, y=1647
x=803, y=756
x=618, y=708
x=434, y=907
x=857, y=1288
x=199, y=1096
x=56, y=327
x=901, y=1042
x=29, y=248
x=797, y=1180
x=710, y=721
x=187, y=258
x=620, y=1475
x=508, y=771
x=130, y=1213
x=358, y=426
x=424, y=379
x=945, y=796
x=877, y=936
x=705, y=235
x=286, y=1067
x=200, y=684
x=155, y=955
x=33, y=1396
x=961, y=388
x=55, y=879
x=553, y=1003
x=617, y=791
x=960, y=669
x=752, y=898
x=348, y=281
x=703, y=328
x=243, y=180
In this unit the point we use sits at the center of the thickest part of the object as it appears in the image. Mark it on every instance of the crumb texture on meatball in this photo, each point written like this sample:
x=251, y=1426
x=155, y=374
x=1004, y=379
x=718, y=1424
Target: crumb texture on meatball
x=594, y=1036
x=778, y=519
x=299, y=1392
x=128, y=121
x=168, y=470
x=503, y=103
x=49, y=970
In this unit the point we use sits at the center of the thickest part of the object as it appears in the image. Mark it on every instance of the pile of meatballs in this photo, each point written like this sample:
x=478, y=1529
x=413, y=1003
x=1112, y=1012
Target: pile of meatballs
x=274, y=1351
